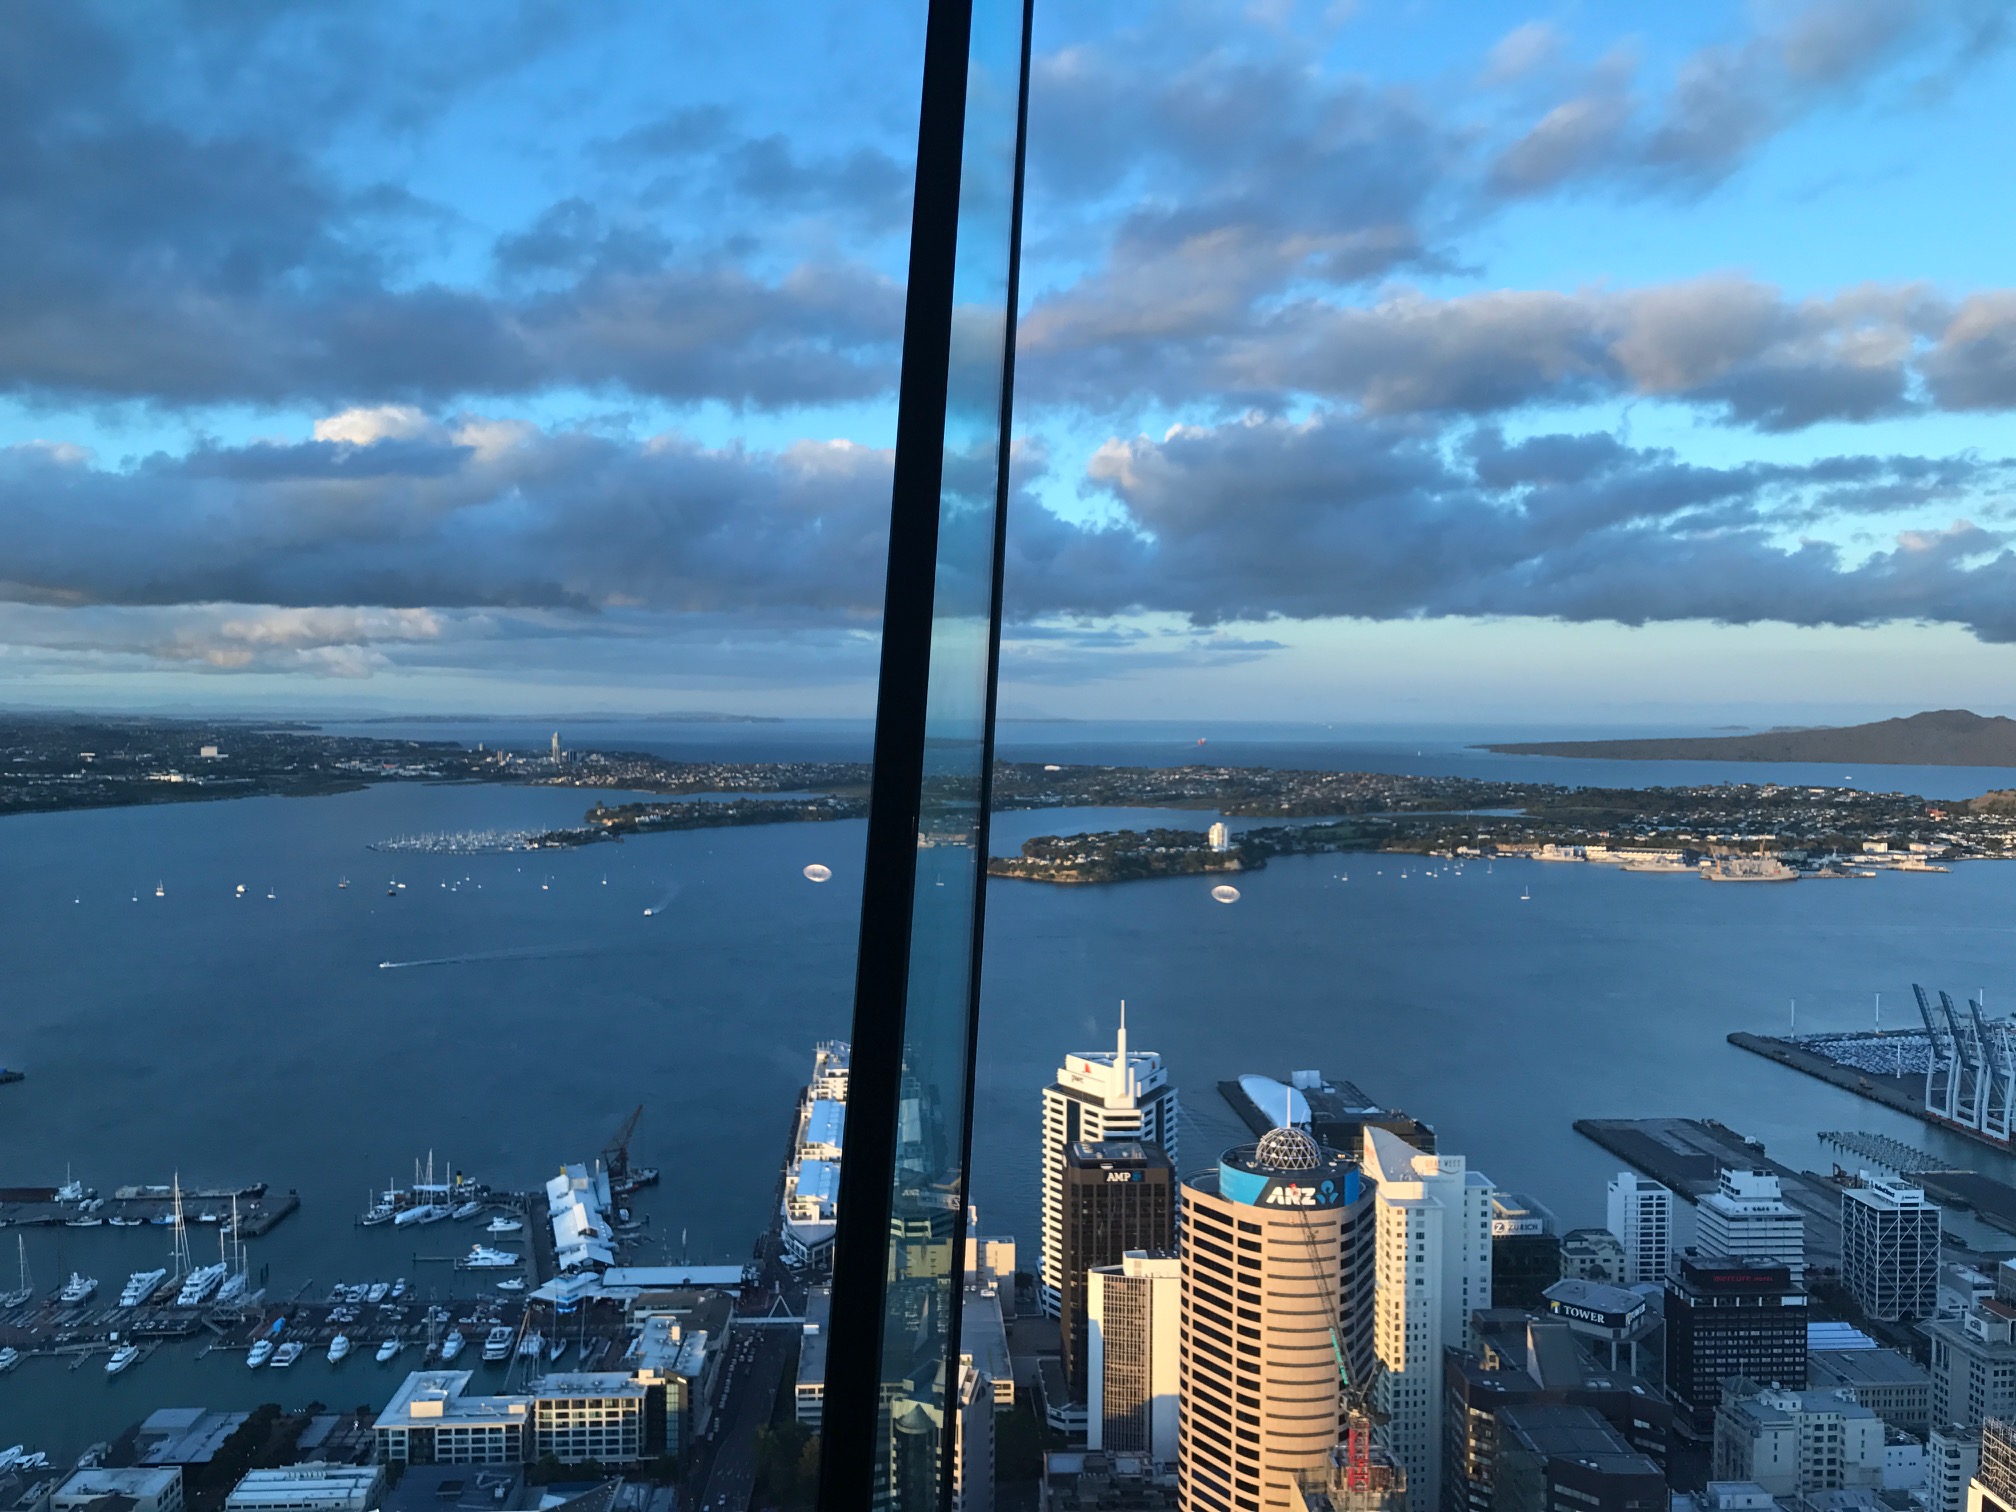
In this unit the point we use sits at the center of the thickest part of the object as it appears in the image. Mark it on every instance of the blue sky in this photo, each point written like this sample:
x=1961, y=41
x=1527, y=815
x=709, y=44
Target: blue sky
x=1380, y=361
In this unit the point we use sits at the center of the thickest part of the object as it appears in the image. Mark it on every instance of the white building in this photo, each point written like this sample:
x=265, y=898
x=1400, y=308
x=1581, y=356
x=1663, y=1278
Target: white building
x=314, y=1487
x=577, y=1205
x=811, y=1388
x=1793, y=1443
x=1952, y=1458
x=1747, y=1218
x=1890, y=1249
x=152, y=1490
x=1219, y=837
x=588, y=1415
x=1134, y=1312
x=1433, y=1245
x=433, y=1420
x=812, y=1178
x=1098, y=1094
x=1641, y=1216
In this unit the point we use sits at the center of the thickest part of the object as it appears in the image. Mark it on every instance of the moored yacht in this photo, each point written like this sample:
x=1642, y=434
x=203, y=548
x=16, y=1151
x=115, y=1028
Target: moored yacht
x=503, y=1225
x=140, y=1286
x=9, y=1358
x=260, y=1352
x=77, y=1289
x=378, y=1291
x=338, y=1347
x=388, y=1349
x=466, y=1210
x=288, y=1353
x=123, y=1356
x=498, y=1345
x=452, y=1345
x=482, y=1257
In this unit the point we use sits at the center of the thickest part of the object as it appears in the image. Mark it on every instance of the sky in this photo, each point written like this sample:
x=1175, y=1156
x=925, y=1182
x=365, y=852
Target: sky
x=1431, y=361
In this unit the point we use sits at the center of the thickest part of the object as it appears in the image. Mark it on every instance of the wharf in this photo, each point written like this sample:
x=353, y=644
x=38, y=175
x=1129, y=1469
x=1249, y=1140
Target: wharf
x=1690, y=1154
x=133, y=1207
x=1990, y=1200
x=1905, y=1094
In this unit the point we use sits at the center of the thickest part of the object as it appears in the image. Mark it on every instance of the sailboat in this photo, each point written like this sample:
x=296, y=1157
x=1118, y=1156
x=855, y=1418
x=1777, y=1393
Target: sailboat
x=27, y=1291
x=160, y=891
x=1526, y=895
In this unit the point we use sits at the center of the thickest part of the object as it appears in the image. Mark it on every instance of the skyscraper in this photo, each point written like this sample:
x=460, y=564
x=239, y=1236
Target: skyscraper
x=1728, y=1318
x=1434, y=1267
x=1890, y=1249
x=1119, y=1195
x=1098, y=1094
x=1641, y=1216
x=1746, y=1218
x=1132, y=1353
x=1276, y=1258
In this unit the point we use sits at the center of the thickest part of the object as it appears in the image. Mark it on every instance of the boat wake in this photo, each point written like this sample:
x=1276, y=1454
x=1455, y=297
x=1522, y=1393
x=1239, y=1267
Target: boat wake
x=525, y=953
x=663, y=903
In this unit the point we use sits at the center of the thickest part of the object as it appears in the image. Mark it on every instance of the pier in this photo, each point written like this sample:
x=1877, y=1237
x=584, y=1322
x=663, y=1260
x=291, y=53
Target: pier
x=258, y=1208
x=1905, y=1094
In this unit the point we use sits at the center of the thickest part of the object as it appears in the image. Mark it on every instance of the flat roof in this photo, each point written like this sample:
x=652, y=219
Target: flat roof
x=812, y=1344
x=586, y=1383
x=428, y=1398
x=135, y=1481
x=1871, y=1367
x=825, y=1122
x=818, y=1180
x=983, y=1333
x=653, y=1277
x=289, y=1486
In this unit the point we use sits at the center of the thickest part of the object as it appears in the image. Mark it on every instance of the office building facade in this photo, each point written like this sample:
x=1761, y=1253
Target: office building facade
x=1952, y=1459
x=1134, y=1312
x=1993, y=1488
x=1276, y=1289
x=1102, y=1094
x=1747, y=1219
x=1794, y=1443
x=1552, y=1458
x=1525, y=1251
x=1118, y=1195
x=1432, y=1220
x=1726, y=1319
x=1890, y=1249
x=1640, y=1213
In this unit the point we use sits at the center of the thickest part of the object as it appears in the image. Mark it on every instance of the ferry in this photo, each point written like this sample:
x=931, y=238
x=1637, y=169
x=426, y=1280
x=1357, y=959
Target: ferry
x=388, y=1349
x=482, y=1258
x=338, y=1347
x=288, y=1353
x=140, y=1286
x=452, y=1345
x=123, y=1356
x=77, y=1289
x=498, y=1345
x=502, y=1225
x=260, y=1352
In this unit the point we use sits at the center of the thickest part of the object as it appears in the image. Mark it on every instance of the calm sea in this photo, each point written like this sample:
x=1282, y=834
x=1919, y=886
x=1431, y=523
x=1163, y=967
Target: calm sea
x=235, y=1039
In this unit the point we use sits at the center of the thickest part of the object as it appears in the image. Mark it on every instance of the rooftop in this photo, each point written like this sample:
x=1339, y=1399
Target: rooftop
x=1868, y=1367
x=429, y=1398
x=291, y=1484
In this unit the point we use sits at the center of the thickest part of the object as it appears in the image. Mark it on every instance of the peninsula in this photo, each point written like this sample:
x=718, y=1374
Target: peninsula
x=1941, y=737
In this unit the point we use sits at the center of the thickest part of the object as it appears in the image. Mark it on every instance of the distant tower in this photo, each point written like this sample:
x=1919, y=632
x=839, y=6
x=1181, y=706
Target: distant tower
x=1747, y=1218
x=1098, y=1094
x=1220, y=837
x=556, y=748
x=1641, y=1216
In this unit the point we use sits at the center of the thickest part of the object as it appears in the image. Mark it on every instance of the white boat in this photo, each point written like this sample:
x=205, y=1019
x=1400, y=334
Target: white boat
x=502, y=1225
x=140, y=1286
x=288, y=1353
x=398, y=1288
x=160, y=890
x=120, y=1221
x=241, y=890
x=378, y=1291
x=388, y=1349
x=260, y=1352
x=481, y=1257
x=467, y=1210
x=9, y=1358
x=92, y=1222
x=234, y=1287
x=530, y=1345
x=123, y=1356
x=78, y=1288
x=515, y=1284
x=343, y=882
x=557, y=1348
x=452, y=1345
x=426, y=1212
x=378, y=1212
x=200, y=1283
x=339, y=1347
x=498, y=1345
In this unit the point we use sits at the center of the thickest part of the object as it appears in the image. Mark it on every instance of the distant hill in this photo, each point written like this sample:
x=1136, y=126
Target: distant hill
x=1943, y=737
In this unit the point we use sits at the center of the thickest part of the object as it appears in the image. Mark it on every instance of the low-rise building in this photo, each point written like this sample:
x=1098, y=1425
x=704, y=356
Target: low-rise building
x=434, y=1419
x=1095, y=1481
x=811, y=1389
x=1892, y=1383
x=588, y=1415
x=1795, y=1442
x=454, y=1488
x=314, y=1487
x=1555, y=1457
x=155, y=1489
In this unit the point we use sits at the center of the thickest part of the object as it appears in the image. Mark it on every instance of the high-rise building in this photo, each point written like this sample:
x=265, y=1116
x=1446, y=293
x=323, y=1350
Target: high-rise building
x=1993, y=1488
x=1119, y=1195
x=1134, y=1312
x=1641, y=1216
x=1433, y=1247
x=1098, y=1094
x=1277, y=1288
x=1525, y=1251
x=1723, y=1319
x=1890, y=1249
x=1952, y=1459
x=1746, y=1218
x=1553, y=1457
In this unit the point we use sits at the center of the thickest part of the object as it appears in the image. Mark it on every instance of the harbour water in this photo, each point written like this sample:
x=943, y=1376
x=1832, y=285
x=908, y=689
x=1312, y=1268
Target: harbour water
x=235, y=1039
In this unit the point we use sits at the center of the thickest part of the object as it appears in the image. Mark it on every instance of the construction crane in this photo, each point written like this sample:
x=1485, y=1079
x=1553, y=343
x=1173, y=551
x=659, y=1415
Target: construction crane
x=624, y=1177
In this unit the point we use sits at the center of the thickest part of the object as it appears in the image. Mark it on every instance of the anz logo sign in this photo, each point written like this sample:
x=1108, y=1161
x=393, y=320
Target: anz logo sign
x=1293, y=1194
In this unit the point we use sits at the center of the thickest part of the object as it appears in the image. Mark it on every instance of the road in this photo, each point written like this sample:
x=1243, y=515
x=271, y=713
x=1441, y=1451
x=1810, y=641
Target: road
x=724, y=1467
